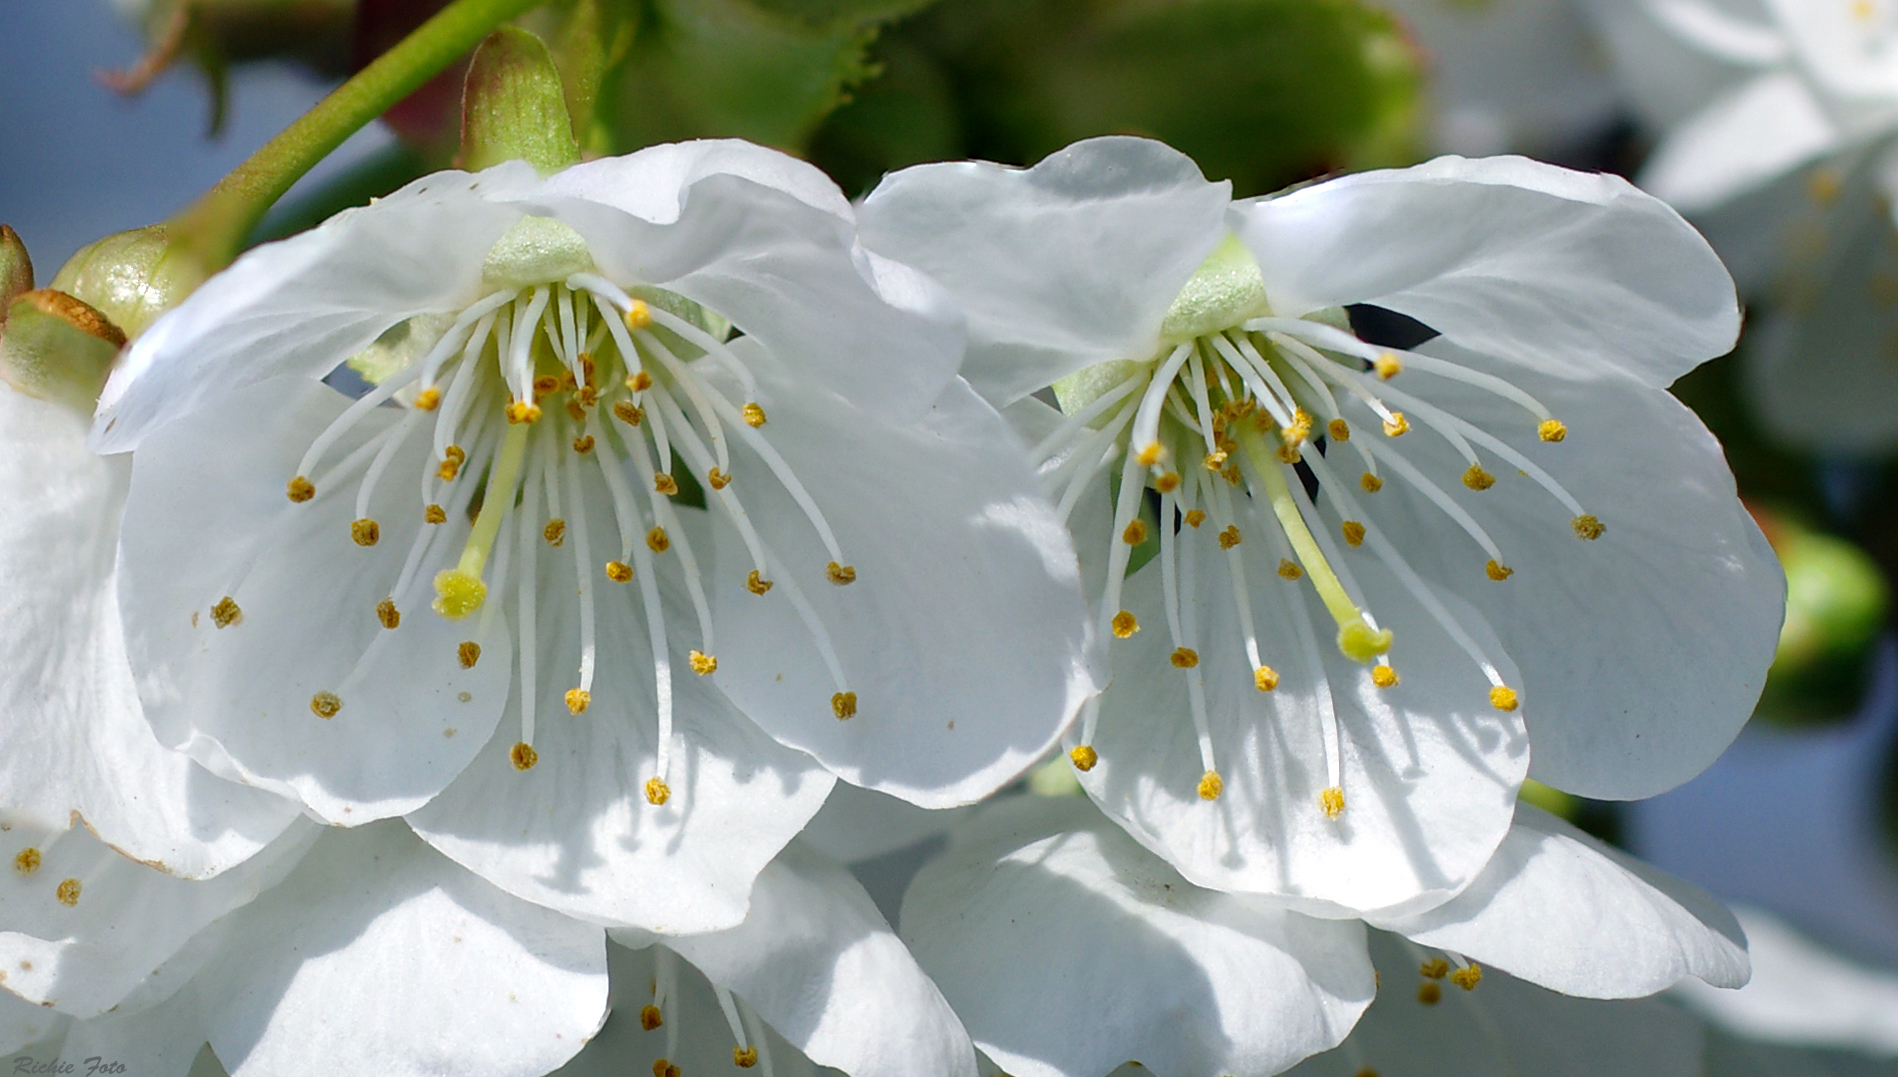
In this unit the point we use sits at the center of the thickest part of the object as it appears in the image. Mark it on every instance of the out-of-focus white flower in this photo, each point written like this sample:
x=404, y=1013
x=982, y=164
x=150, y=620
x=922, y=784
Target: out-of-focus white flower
x=1068, y=949
x=1520, y=76
x=553, y=367
x=1778, y=134
x=1378, y=574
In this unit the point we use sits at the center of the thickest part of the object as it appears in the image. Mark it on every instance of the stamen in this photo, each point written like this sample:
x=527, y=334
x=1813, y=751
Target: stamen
x=1384, y=676
x=1551, y=430
x=702, y=663
x=619, y=571
x=1125, y=625
x=226, y=613
x=1265, y=678
x=1147, y=418
x=299, y=489
x=365, y=532
x=1498, y=571
x=526, y=601
x=844, y=705
x=757, y=584
x=325, y=704
x=1084, y=758
x=434, y=514
x=1331, y=800
x=657, y=792
x=523, y=756
x=754, y=415
x=840, y=574
x=388, y=614
x=1503, y=698
x=583, y=576
x=1587, y=527
x=1211, y=785
x=578, y=700
x=1478, y=479
x=468, y=653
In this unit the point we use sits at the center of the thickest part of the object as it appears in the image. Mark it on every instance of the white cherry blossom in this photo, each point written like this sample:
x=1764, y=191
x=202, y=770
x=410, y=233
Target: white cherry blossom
x=1377, y=576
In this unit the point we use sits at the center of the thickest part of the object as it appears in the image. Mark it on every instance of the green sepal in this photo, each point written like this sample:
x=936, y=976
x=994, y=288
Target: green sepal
x=57, y=348
x=514, y=106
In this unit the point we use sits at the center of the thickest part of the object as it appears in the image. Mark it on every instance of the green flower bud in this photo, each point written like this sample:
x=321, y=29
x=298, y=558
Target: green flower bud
x=131, y=277
x=16, y=269
x=513, y=106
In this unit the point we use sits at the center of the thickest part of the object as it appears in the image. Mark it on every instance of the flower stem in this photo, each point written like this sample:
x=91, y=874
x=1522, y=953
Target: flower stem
x=213, y=228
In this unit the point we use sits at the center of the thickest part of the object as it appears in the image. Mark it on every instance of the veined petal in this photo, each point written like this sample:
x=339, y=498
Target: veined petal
x=1563, y=272
x=817, y=961
x=162, y=1041
x=1068, y=949
x=1764, y=129
x=1557, y=908
x=77, y=739
x=86, y=926
x=1428, y=769
x=859, y=824
x=246, y=692
x=400, y=962
x=1689, y=595
x=655, y=183
x=964, y=636
x=301, y=305
x=1060, y=266
x=575, y=832
x=23, y=1023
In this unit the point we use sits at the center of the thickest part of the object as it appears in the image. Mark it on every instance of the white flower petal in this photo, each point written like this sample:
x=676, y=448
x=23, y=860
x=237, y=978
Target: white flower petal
x=208, y=518
x=85, y=926
x=859, y=824
x=817, y=961
x=77, y=740
x=1429, y=768
x=1564, y=272
x=1069, y=263
x=1068, y=949
x=1764, y=129
x=305, y=304
x=965, y=636
x=1686, y=592
x=23, y=1023
x=163, y=1041
x=1560, y=909
x=575, y=832
x=398, y=962
x=654, y=183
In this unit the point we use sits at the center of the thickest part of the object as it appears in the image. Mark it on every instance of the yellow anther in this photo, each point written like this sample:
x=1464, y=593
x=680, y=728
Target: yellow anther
x=589, y=394
x=1339, y=430
x=545, y=384
x=1150, y=455
x=1365, y=1072
x=1300, y=428
x=1551, y=430
x=1497, y=571
x=656, y=540
x=1824, y=184
x=226, y=613
x=1084, y=758
x=1434, y=969
x=428, y=399
x=1384, y=676
x=452, y=459
x=388, y=614
x=757, y=584
x=300, y=490
x=523, y=756
x=1331, y=800
x=1387, y=366
x=583, y=443
x=717, y=479
x=1429, y=992
x=1478, y=479
x=702, y=663
x=458, y=593
x=639, y=381
x=1184, y=657
x=1211, y=785
x=619, y=571
x=1288, y=455
x=840, y=574
x=1468, y=976
x=365, y=531
x=27, y=862
x=1213, y=461
x=744, y=1057
x=754, y=415
x=434, y=514
x=567, y=382
x=1168, y=482
x=1357, y=642
x=1136, y=532
x=522, y=411
x=1289, y=570
x=578, y=700
x=1396, y=425
x=469, y=652
x=649, y=1018
x=1503, y=698
x=1125, y=625
x=1587, y=527
x=575, y=412
x=657, y=793
x=67, y=892
x=325, y=704
x=628, y=414
x=1353, y=532
x=1265, y=678
x=1370, y=483
x=1195, y=517
x=665, y=484
x=844, y=705
x=1229, y=537
x=639, y=315
x=555, y=532
x=662, y=1068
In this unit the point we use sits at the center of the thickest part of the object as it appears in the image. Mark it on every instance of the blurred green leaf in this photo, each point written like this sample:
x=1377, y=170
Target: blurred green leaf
x=840, y=13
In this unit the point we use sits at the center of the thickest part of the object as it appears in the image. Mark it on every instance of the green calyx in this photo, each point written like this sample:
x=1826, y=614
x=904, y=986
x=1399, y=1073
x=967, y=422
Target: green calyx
x=514, y=108
x=55, y=347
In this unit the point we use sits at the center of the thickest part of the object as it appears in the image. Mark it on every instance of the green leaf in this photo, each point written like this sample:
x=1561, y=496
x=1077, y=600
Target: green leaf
x=840, y=13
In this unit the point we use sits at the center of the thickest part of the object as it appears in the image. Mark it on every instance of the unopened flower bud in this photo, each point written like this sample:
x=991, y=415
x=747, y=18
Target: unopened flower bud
x=16, y=269
x=131, y=277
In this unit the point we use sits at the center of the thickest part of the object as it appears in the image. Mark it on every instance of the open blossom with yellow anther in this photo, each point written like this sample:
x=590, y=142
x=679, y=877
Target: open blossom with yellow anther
x=1776, y=132
x=1039, y=900
x=1541, y=545
x=644, y=439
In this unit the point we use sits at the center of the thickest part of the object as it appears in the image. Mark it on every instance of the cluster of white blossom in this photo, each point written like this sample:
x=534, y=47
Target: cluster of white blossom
x=424, y=731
